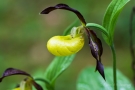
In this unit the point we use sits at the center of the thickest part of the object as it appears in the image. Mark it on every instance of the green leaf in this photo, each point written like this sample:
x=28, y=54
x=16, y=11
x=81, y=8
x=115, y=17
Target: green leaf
x=111, y=16
x=58, y=65
x=38, y=76
x=94, y=26
x=90, y=80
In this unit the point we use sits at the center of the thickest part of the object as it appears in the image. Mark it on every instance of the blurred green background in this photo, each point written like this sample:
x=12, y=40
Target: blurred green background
x=24, y=34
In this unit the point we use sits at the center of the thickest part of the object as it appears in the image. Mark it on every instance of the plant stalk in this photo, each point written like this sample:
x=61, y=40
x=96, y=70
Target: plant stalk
x=132, y=42
x=114, y=66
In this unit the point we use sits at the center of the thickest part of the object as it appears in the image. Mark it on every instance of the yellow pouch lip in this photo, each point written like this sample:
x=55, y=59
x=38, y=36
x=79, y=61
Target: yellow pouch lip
x=65, y=45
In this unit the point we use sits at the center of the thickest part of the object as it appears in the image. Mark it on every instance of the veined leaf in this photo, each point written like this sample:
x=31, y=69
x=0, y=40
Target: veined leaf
x=111, y=15
x=89, y=80
x=58, y=65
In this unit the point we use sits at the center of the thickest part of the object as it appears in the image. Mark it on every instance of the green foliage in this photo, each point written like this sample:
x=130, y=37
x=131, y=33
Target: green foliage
x=111, y=16
x=58, y=65
x=109, y=20
x=38, y=76
x=89, y=80
x=94, y=26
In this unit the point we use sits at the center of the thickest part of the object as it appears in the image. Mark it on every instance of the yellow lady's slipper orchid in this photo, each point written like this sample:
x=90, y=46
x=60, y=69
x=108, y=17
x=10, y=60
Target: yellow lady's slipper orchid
x=70, y=44
x=65, y=45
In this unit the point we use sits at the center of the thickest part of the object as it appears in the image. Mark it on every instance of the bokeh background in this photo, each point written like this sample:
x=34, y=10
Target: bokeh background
x=24, y=34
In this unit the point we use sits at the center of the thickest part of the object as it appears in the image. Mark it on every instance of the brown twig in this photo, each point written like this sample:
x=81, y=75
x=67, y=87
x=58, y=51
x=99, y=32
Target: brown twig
x=132, y=43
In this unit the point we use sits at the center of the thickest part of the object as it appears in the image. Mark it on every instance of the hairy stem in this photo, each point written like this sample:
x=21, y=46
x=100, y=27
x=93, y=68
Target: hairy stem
x=114, y=66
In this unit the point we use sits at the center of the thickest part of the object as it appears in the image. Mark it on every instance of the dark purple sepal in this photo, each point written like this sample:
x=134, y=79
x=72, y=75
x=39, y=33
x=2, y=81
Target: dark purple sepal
x=29, y=80
x=13, y=71
x=96, y=50
x=97, y=44
x=65, y=7
x=36, y=85
x=100, y=68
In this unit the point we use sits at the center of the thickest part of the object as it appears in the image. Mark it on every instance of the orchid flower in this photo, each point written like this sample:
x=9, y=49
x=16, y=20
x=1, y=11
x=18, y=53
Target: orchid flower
x=72, y=43
x=26, y=84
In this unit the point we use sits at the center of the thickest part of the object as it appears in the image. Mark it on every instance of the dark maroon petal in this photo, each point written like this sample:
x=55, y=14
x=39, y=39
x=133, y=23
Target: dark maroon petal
x=36, y=85
x=100, y=68
x=96, y=50
x=97, y=45
x=65, y=7
x=13, y=71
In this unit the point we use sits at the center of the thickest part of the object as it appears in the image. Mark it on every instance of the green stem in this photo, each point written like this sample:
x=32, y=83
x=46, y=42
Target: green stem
x=48, y=85
x=114, y=66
